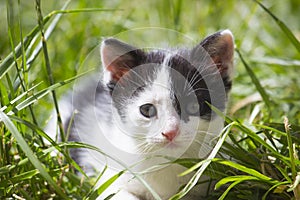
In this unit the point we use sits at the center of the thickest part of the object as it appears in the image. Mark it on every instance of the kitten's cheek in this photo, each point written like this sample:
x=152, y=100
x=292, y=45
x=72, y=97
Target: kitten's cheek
x=136, y=120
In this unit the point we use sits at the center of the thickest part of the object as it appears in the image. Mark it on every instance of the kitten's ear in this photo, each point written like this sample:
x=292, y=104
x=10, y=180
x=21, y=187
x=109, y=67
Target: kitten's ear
x=220, y=47
x=118, y=58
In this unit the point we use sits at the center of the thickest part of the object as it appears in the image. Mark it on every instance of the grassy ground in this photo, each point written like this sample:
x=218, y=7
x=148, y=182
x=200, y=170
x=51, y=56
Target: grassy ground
x=263, y=121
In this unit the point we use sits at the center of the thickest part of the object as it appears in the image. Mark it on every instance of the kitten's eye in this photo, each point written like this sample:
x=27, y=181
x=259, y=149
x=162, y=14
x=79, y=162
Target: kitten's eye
x=148, y=110
x=192, y=108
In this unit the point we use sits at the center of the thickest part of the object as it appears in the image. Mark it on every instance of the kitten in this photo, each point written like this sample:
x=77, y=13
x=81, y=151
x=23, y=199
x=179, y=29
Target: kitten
x=151, y=107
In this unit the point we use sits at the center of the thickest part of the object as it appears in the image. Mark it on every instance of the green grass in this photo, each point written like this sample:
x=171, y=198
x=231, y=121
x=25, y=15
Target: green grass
x=263, y=120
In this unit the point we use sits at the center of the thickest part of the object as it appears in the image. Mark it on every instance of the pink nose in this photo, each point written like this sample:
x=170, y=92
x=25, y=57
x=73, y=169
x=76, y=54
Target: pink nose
x=170, y=135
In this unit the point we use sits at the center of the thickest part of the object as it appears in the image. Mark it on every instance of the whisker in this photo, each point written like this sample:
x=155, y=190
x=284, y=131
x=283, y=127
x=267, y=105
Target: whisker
x=199, y=89
x=202, y=78
x=128, y=79
x=144, y=146
x=195, y=75
x=138, y=75
x=209, y=133
x=186, y=83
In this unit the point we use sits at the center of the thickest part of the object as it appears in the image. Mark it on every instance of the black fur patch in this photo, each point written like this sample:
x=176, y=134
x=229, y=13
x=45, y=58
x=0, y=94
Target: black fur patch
x=204, y=83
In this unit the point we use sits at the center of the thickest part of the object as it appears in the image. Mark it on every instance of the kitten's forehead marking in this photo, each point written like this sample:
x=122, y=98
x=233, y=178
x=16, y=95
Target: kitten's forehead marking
x=163, y=74
x=160, y=88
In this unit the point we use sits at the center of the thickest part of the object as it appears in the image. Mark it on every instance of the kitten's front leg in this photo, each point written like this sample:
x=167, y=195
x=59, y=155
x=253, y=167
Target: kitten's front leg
x=123, y=194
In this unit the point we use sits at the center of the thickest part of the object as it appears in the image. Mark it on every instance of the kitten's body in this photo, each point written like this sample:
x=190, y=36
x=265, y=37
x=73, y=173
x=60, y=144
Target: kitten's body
x=149, y=109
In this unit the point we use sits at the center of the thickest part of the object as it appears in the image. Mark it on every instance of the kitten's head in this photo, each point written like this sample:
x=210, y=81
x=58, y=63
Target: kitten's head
x=162, y=97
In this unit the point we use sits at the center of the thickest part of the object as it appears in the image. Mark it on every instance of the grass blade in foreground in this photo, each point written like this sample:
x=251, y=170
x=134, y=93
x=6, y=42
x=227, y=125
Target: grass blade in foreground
x=256, y=82
x=104, y=186
x=236, y=180
x=282, y=26
x=247, y=170
x=295, y=175
x=31, y=156
x=44, y=92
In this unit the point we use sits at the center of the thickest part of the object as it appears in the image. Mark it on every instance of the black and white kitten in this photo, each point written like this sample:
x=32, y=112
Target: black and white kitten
x=150, y=107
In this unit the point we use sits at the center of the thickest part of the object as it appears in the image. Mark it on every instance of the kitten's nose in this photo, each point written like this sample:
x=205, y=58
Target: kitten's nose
x=170, y=135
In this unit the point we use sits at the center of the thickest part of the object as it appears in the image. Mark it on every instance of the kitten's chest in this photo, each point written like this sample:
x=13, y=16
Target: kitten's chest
x=165, y=182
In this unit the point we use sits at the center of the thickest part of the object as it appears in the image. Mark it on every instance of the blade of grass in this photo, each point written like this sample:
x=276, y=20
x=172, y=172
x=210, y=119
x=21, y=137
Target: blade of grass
x=273, y=187
x=276, y=61
x=19, y=97
x=29, y=153
x=295, y=187
x=271, y=129
x=283, y=172
x=24, y=94
x=19, y=178
x=239, y=178
x=229, y=188
x=247, y=170
x=290, y=145
x=31, y=99
x=280, y=127
x=295, y=175
x=11, y=24
x=220, y=113
x=24, y=66
x=4, y=169
x=76, y=180
x=48, y=68
x=282, y=26
x=98, y=178
x=55, y=12
x=256, y=82
x=104, y=186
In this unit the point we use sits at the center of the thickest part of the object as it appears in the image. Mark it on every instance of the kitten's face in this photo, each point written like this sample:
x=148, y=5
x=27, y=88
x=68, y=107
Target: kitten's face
x=155, y=116
x=160, y=97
